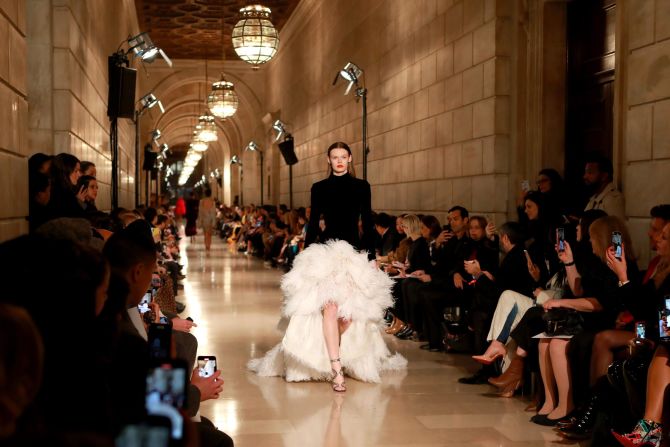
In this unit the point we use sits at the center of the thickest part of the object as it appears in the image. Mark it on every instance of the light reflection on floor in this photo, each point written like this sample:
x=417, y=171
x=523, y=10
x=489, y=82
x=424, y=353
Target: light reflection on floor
x=235, y=301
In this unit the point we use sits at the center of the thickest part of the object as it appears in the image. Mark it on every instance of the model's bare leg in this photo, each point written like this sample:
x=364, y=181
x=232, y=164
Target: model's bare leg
x=208, y=239
x=331, y=333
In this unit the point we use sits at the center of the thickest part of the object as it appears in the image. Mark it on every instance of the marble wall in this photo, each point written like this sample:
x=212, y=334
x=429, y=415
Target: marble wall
x=68, y=82
x=14, y=147
x=645, y=110
x=437, y=74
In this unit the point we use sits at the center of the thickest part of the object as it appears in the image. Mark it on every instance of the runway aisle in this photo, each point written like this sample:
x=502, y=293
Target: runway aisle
x=235, y=301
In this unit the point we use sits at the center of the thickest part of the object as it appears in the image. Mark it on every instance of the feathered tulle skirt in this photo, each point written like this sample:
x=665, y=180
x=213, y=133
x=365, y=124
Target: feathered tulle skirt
x=332, y=272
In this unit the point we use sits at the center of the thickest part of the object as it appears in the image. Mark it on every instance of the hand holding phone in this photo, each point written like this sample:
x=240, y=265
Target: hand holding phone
x=525, y=185
x=206, y=365
x=160, y=341
x=560, y=238
x=209, y=387
x=617, y=244
x=166, y=393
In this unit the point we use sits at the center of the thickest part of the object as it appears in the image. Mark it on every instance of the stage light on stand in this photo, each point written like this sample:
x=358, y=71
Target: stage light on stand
x=148, y=101
x=280, y=128
x=145, y=49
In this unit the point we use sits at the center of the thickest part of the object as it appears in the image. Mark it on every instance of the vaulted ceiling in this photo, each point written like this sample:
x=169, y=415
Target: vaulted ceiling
x=199, y=29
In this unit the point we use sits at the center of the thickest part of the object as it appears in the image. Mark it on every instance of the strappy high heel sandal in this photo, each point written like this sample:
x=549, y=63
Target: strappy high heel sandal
x=337, y=387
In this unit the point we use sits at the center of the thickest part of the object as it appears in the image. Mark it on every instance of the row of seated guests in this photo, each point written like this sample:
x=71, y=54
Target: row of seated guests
x=83, y=364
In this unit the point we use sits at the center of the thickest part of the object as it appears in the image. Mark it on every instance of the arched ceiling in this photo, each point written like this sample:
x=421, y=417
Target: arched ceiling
x=199, y=29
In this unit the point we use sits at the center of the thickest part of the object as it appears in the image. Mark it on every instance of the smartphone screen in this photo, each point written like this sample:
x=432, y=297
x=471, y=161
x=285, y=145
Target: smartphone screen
x=144, y=303
x=156, y=281
x=616, y=243
x=160, y=341
x=155, y=432
x=560, y=236
x=206, y=365
x=166, y=393
x=525, y=185
x=640, y=329
x=663, y=324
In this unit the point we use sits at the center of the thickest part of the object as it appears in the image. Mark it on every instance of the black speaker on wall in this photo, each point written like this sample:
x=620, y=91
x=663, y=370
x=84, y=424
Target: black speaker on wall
x=121, y=97
x=149, y=160
x=288, y=152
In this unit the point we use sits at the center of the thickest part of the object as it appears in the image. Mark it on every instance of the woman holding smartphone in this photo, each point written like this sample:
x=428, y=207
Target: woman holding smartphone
x=335, y=298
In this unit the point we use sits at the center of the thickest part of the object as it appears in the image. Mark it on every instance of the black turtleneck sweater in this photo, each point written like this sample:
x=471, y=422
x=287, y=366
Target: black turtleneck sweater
x=342, y=201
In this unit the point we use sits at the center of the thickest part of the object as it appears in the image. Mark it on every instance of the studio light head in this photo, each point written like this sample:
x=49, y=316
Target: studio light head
x=148, y=101
x=350, y=73
x=145, y=49
x=235, y=160
x=252, y=146
x=280, y=128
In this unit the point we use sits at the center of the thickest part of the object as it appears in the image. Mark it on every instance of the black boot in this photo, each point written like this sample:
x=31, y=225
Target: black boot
x=585, y=419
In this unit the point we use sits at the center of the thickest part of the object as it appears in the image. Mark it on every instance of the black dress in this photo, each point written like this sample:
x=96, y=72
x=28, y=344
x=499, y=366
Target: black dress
x=342, y=201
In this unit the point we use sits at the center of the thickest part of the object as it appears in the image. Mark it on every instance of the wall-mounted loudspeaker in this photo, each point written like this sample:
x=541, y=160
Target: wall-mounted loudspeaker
x=288, y=152
x=149, y=160
x=121, y=97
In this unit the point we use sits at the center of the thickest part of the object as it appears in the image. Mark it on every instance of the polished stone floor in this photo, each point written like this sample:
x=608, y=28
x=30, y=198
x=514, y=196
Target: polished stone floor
x=235, y=301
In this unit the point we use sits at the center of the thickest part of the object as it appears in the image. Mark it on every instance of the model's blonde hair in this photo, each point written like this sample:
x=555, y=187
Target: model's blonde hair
x=412, y=225
x=601, y=236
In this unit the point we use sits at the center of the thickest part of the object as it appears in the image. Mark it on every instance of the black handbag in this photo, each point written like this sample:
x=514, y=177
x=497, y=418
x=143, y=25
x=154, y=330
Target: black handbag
x=561, y=321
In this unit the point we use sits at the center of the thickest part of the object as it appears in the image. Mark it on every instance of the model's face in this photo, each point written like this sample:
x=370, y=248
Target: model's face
x=75, y=174
x=92, y=191
x=655, y=229
x=400, y=228
x=339, y=160
x=663, y=242
x=476, y=231
x=532, y=211
x=543, y=183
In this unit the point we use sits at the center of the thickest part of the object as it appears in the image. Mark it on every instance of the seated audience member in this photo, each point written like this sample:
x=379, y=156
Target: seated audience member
x=40, y=194
x=387, y=238
x=430, y=230
x=39, y=162
x=65, y=198
x=399, y=253
x=21, y=365
x=599, y=181
x=648, y=432
x=418, y=258
x=551, y=188
x=531, y=322
x=541, y=236
x=132, y=256
x=606, y=286
x=89, y=185
x=515, y=276
x=88, y=168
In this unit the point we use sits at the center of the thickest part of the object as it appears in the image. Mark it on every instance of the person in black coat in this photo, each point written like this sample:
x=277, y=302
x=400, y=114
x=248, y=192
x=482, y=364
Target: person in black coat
x=342, y=200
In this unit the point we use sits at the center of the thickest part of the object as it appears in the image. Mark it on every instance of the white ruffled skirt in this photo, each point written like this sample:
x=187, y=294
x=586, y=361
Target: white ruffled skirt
x=332, y=272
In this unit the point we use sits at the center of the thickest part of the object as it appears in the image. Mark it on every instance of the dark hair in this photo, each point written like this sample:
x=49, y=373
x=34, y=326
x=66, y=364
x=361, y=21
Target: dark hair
x=131, y=246
x=84, y=165
x=36, y=161
x=38, y=183
x=208, y=192
x=661, y=212
x=514, y=232
x=384, y=220
x=62, y=166
x=588, y=217
x=554, y=178
x=84, y=181
x=460, y=209
x=604, y=163
x=537, y=198
x=433, y=224
x=161, y=218
x=150, y=214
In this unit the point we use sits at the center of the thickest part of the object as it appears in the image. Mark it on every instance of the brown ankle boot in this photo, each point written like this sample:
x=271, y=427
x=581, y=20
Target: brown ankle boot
x=396, y=327
x=513, y=375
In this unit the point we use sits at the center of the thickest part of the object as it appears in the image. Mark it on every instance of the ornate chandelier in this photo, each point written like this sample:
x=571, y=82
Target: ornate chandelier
x=207, y=130
x=255, y=38
x=222, y=101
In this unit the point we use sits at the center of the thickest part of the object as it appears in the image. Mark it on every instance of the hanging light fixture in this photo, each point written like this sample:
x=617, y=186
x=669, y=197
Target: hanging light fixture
x=255, y=38
x=207, y=128
x=223, y=102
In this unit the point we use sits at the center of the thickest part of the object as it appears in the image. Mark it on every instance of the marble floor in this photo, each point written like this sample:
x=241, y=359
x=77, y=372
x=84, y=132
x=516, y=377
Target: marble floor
x=235, y=301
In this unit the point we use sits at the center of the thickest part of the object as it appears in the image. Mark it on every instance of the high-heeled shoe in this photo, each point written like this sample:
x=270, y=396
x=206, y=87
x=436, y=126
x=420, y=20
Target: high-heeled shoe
x=645, y=434
x=486, y=360
x=397, y=326
x=337, y=387
x=513, y=374
x=508, y=390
